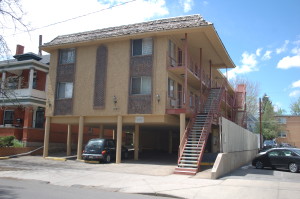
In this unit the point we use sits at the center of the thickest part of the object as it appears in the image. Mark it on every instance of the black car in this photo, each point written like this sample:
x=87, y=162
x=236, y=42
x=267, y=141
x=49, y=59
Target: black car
x=286, y=158
x=103, y=150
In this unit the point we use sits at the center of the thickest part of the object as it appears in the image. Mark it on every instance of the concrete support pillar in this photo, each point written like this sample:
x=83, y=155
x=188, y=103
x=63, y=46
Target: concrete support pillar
x=182, y=125
x=119, y=140
x=30, y=81
x=136, y=141
x=46, y=136
x=101, y=129
x=69, y=140
x=80, y=137
x=114, y=134
x=170, y=142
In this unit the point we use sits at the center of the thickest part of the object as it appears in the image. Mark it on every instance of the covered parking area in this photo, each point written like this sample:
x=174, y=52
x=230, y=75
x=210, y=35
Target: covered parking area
x=151, y=137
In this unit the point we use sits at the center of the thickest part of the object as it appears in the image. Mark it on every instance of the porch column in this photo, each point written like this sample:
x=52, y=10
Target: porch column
x=46, y=136
x=28, y=116
x=101, y=129
x=69, y=140
x=119, y=139
x=136, y=141
x=30, y=84
x=3, y=79
x=186, y=97
x=170, y=142
x=80, y=137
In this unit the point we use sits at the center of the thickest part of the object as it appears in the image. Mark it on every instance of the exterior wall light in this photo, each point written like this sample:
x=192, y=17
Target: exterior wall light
x=115, y=100
x=158, y=98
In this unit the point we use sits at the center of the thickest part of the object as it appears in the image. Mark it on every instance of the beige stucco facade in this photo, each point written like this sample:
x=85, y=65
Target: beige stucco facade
x=153, y=118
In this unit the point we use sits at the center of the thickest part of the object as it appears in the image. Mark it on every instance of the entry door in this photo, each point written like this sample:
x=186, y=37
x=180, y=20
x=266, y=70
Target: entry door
x=179, y=95
x=39, y=119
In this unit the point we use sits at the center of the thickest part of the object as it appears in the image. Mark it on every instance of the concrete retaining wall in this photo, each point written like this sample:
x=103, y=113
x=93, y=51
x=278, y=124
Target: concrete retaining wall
x=227, y=162
x=239, y=147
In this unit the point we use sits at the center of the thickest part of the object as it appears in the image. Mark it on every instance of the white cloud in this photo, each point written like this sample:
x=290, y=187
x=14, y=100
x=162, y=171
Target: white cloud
x=289, y=62
x=267, y=55
x=283, y=48
x=295, y=93
x=258, y=51
x=296, y=84
x=187, y=5
x=296, y=50
x=57, y=10
x=205, y=3
x=249, y=64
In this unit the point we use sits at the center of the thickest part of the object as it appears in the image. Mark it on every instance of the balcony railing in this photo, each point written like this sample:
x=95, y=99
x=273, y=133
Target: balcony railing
x=22, y=94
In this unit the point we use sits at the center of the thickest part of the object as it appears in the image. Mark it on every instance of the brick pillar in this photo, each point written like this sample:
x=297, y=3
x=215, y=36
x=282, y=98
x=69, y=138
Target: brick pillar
x=1, y=116
x=27, y=122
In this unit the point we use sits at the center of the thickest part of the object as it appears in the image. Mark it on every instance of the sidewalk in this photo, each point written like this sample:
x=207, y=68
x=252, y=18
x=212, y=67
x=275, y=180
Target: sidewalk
x=121, y=178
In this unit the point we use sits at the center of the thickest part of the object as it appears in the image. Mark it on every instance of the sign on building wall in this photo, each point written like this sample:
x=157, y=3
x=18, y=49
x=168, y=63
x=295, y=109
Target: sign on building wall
x=139, y=119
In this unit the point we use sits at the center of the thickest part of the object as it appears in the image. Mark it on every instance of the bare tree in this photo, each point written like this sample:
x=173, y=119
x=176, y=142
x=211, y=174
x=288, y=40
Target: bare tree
x=11, y=18
x=252, y=90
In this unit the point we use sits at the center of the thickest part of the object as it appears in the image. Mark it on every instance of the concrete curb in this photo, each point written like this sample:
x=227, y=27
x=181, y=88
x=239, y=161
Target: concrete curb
x=56, y=158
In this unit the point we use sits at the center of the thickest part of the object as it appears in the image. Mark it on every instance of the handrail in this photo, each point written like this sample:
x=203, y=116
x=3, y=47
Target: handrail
x=183, y=139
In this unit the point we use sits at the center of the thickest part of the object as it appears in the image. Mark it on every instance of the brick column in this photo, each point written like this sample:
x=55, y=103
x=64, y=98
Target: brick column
x=1, y=116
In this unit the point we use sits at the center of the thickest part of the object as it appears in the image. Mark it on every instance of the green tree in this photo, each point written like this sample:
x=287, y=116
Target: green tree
x=295, y=107
x=270, y=126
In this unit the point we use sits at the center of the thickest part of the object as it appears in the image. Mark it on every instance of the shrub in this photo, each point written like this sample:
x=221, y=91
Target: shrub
x=6, y=141
x=17, y=143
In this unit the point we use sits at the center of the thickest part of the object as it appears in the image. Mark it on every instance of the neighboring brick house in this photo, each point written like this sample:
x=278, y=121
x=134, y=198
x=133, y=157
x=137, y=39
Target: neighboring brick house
x=159, y=80
x=23, y=96
x=290, y=130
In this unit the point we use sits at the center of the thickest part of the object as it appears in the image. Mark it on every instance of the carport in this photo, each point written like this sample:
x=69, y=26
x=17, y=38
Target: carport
x=150, y=135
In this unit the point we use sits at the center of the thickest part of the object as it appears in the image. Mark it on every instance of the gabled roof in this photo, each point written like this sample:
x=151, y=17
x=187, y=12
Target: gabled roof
x=160, y=25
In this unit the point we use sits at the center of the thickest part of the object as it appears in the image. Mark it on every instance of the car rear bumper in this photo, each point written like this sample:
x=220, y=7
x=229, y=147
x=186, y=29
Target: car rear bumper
x=92, y=157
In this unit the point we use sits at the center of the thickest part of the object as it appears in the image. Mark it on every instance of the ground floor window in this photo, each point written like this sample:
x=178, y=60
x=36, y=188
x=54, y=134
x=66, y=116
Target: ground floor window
x=8, y=117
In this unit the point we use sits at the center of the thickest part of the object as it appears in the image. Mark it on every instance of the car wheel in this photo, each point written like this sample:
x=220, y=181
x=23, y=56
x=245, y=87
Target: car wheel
x=259, y=165
x=126, y=155
x=107, y=158
x=293, y=167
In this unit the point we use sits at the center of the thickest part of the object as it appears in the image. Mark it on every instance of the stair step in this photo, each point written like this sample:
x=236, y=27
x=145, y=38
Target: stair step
x=190, y=158
x=188, y=165
x=188, y=161
x=191, y=154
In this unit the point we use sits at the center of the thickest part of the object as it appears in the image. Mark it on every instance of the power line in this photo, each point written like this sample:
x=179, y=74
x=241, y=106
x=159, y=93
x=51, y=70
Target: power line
x=73, y=18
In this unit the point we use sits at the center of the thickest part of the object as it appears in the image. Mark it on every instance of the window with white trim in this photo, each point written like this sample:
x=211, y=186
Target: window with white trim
x=65, y=90
x=67, y=56
x=282, y=134
x=141, y=85
x=142, y=46
x=171, y=88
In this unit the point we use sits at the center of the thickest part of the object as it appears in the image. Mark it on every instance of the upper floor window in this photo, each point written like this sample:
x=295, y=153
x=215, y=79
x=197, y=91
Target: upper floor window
x=67, y=56
x=142, y=46
x=65, y=90
x=282, y=120
x=141, y=85
x=171, y=88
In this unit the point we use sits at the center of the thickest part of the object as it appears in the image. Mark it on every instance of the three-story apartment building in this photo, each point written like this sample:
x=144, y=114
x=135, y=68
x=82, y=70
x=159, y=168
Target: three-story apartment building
x=159, y=79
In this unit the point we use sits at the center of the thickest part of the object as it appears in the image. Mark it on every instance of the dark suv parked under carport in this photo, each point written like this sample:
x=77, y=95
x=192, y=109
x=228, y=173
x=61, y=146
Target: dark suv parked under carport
x=103, y=150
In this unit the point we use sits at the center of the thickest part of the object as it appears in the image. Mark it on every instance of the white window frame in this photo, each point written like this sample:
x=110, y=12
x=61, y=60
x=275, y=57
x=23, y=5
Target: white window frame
x=143, y=80
x=147, y=47
x=68, y=94
x=70, y=56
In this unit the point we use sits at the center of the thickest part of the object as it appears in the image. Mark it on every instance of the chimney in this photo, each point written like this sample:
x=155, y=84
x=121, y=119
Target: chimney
x=40, y=43
x=20, y=50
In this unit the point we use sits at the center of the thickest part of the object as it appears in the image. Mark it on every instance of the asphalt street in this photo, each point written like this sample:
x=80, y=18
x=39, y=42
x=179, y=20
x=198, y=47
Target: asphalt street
x=29, y=189
x=140, y=177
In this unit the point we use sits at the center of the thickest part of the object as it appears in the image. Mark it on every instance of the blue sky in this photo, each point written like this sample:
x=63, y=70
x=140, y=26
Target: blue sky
x=261, y=36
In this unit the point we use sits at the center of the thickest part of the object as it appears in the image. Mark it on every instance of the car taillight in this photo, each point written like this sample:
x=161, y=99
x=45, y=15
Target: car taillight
x=103, y=152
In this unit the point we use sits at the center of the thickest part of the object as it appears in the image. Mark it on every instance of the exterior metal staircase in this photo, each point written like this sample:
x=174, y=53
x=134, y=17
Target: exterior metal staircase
x=196, y=135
